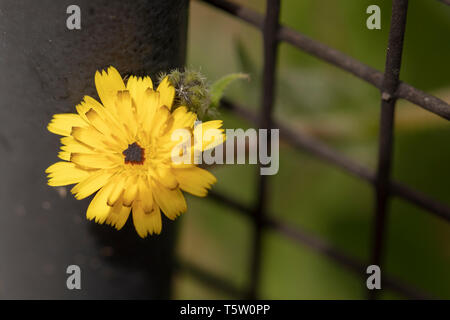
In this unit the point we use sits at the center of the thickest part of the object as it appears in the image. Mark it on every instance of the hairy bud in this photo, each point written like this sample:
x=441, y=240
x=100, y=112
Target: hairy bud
x=193, y=91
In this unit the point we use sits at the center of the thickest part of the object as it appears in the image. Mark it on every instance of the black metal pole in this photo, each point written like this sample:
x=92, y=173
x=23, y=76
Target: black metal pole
x=388, y=101
x=270, y=30
x=46, y=69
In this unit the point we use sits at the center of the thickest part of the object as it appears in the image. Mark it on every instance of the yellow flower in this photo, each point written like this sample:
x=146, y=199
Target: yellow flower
x=122, y=149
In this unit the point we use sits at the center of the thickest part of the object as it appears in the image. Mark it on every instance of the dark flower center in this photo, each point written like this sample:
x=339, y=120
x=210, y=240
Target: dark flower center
x=134, y=154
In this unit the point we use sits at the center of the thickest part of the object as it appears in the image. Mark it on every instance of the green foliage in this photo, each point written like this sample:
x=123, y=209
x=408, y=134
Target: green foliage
x=245, y=59
x=218, y=87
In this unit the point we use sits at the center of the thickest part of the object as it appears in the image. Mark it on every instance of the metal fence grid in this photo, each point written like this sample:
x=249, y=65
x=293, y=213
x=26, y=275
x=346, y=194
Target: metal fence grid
x=384, y=187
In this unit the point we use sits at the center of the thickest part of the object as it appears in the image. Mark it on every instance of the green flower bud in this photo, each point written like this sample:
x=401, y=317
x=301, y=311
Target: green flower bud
x=194, y=92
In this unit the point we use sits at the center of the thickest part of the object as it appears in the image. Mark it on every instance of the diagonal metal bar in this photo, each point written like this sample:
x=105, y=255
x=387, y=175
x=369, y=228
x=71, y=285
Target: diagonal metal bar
x=421, y=200
x=338, y=59
x=212, y=280
x=270, y=30
x=246, y=14
x=317, y=148
x=301, y=236
x=388, y=101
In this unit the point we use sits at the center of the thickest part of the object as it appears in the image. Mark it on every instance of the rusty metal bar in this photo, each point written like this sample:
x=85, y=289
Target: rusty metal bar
x=338, y=59
x=317, y=148
x=302, y=237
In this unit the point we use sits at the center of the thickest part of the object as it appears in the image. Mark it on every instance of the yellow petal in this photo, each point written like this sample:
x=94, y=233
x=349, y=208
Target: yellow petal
x=137, y=87
x=116, y=193
x=114, y=126
x=207, y=135
x=64, y=155
x=165, y=176
x=126, y=112
x=150, y=104
x=131, y=191
x=183, y=121
x=63, y=123
x=82, y=108
x=97, y=122
x=98, y=208
x=118, y=216
x=93, y=104
x=70, y=145
x=171, y=202
x=159, y=122
x=63, y=173
x=94, y=139
x=87, y=104
x=194, y=180
x=96, y=161
x=183, y=118
x=107, y=84
x=186, y=156
x=146, y=223
x=91, y=184
x=145, y=195
x=167, y=93
x=180, y=138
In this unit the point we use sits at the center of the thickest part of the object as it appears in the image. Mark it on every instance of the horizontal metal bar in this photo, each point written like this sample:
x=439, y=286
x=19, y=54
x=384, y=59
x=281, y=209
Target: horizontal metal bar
x=338, y=59
x=242, y=12
x=312, y=145
x=303, y=237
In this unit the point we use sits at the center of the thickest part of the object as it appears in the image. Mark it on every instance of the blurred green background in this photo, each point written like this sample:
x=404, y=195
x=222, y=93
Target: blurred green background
x=343, y=111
